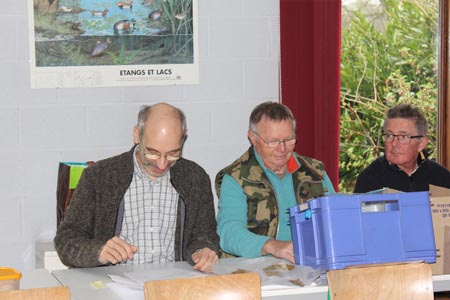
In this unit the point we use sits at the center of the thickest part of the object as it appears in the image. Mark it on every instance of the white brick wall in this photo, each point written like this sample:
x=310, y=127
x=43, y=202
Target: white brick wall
x=239, y=47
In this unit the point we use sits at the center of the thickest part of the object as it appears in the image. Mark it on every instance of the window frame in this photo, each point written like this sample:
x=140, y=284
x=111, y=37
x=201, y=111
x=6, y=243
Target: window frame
x=444, y=81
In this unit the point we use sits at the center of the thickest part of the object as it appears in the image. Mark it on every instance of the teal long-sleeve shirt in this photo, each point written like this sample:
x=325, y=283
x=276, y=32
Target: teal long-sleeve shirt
x=235, y=238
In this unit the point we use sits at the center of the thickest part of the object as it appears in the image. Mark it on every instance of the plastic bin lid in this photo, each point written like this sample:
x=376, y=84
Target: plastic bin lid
x=9, y=273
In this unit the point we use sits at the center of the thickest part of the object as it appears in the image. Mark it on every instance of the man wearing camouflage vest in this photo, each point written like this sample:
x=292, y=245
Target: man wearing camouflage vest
x=256, y=191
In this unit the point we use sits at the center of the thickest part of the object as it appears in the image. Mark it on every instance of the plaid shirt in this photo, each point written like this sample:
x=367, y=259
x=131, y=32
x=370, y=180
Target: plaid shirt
x=150, y=214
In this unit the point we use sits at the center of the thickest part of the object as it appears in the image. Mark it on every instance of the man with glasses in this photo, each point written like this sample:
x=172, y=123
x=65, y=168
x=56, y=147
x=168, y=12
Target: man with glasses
x=148, y=205
x=256, y=191
x=404, y=166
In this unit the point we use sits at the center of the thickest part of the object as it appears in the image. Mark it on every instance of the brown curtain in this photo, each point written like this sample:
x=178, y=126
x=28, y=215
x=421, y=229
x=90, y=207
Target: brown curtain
x=310, y=57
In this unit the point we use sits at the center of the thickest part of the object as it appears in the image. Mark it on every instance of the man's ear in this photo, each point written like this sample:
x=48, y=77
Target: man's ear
x=185, y=136
x=423, y=143
x=251, y=137
x=136, y=135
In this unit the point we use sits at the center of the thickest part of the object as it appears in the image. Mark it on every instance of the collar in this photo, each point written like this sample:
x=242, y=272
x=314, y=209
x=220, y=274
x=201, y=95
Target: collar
x=137, y=168
x=421, y=157
x=292, y=165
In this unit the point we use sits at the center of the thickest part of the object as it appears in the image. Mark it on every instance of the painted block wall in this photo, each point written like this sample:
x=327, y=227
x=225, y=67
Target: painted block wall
x=239, y=48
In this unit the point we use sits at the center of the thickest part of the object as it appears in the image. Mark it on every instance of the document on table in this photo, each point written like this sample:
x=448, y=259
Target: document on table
x=126, y=282
x=125, y=292
x=131, y=285
x=274, y=273
x=169, y=273
x=136, y=279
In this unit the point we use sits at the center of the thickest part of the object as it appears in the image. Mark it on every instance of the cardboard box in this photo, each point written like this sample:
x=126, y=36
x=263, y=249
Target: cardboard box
x=440, y=209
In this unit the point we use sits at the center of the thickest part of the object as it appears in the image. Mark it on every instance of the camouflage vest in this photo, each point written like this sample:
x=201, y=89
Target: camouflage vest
x=262, y=208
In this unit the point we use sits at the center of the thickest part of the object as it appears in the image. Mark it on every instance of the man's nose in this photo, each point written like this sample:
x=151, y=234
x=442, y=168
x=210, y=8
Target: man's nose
x=282, y=146
x=396, y=140
x=162, y=162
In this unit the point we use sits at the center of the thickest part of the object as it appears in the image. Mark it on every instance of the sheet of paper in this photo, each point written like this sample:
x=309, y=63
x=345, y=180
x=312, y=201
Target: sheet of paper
x=125, y=292
x=124, y=281
x=278, y=277
x=275, y=273
x=157, y=274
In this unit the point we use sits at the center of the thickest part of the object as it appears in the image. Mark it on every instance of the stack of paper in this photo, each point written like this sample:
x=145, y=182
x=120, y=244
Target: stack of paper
x=46, y=257
x=52, y=261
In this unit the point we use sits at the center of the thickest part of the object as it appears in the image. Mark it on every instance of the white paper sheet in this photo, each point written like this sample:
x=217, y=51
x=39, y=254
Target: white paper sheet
x=124, y=281
x=170, y=273
x=136, y=279
x=125, y=292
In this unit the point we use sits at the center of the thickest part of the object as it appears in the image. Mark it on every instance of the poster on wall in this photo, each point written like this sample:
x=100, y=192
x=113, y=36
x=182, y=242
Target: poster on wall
x=99, y=43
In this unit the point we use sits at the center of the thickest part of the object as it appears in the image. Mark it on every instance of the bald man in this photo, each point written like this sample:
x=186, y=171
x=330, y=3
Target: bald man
x=148, y=205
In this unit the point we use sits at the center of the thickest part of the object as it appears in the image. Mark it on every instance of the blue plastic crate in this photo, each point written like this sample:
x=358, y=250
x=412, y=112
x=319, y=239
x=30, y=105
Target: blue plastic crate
x=337, y=231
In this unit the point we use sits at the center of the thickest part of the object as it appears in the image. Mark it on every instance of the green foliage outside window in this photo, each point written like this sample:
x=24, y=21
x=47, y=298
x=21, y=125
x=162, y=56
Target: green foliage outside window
x=386, y=59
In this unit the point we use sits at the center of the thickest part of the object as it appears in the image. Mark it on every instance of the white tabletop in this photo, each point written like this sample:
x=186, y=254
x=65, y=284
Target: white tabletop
x=91, y=283
x=441, y=283
x=38, y=278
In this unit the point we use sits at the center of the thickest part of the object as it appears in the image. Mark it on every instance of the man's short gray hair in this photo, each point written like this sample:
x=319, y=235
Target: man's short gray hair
x=273, y=111
x=410, y=112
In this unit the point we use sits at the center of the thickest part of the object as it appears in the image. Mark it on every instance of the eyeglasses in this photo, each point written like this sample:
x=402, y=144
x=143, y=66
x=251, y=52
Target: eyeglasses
x=171, y=156
x=276, y=143
x=401, y=138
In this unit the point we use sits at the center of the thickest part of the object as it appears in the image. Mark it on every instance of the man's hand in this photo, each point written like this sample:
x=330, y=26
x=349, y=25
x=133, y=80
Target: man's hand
x=115, y=251
x=203, y=259
x=279, y=249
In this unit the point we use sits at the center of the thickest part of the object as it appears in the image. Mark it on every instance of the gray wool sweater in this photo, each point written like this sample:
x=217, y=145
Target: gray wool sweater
x=93, y=215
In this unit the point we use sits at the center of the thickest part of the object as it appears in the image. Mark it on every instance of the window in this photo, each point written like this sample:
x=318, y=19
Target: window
x=389, y=54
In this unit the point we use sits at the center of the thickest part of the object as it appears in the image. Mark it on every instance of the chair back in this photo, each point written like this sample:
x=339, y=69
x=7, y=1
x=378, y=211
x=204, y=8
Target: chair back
x=245, y=286
x=49, y=293
x=409, y=281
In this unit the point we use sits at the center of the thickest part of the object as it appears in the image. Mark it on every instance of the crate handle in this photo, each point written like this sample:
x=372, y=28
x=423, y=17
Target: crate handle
x=379, y=206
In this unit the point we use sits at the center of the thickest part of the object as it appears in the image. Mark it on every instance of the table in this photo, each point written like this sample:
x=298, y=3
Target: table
x=441, y=283
x=79, y=281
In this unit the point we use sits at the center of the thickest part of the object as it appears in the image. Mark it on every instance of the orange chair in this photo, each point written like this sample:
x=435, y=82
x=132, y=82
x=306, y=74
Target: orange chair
x=409, y=281
x=245, y=286
x=49, y=293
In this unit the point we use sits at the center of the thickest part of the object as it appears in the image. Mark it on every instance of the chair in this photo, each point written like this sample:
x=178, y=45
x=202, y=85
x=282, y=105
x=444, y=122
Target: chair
x=409, y=281
x=245, y=286
x=69, y=174
x=49, y=293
